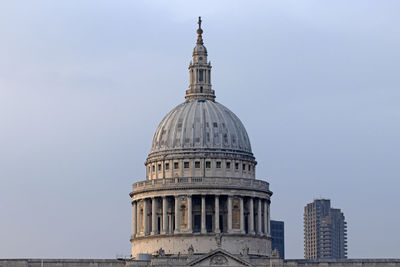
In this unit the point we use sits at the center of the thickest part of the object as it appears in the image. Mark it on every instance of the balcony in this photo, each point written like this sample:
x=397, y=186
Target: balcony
x=201, y=183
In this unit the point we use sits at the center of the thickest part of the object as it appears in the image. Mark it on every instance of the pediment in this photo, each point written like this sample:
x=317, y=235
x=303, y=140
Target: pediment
x=219, y=258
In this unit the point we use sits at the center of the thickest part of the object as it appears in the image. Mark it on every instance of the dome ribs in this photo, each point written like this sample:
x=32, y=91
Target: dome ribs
x=200, y=126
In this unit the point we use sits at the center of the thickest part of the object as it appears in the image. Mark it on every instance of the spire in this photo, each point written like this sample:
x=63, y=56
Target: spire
x=199, y=33
x=199, y=71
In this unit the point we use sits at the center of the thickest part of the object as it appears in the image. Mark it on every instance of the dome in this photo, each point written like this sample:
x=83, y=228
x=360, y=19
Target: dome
x=201, y=194
x=201, y=125
x=199, y=49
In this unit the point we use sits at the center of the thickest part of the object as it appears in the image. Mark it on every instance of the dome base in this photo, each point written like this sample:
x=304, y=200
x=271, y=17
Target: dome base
x=182, y=244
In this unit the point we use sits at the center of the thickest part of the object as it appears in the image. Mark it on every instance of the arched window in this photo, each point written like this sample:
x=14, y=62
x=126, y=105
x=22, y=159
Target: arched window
x=200, y=75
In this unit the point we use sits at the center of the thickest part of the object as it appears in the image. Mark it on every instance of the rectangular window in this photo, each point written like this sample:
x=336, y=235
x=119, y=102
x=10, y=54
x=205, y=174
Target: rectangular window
x=249, y=167
x=236, y=166
x=159, y=167
x=186, y=165
x=153, y=168
x=218, y=165
x=244, y=167
x=197, y=164
x=208, y=164
x=176, y=165
x=228, y=165
x=167, y=166
x=200, y=75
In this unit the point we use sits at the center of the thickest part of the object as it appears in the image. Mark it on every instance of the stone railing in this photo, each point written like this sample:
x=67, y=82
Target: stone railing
x=201, y=182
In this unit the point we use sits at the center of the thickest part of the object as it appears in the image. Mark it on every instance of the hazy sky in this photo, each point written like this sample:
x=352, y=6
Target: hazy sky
x=84, y=84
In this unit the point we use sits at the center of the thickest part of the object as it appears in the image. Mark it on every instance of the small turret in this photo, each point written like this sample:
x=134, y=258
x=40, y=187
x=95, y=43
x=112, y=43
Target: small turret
x=199, y=71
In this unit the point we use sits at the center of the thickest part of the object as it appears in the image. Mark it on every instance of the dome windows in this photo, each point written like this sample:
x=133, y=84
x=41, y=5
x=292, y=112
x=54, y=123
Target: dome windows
x=218, y=164
x=193, y=167
x=228, y=164
x=208, y=164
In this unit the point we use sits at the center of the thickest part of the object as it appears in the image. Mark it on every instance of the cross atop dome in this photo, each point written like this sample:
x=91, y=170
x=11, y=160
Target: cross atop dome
x=199, y=33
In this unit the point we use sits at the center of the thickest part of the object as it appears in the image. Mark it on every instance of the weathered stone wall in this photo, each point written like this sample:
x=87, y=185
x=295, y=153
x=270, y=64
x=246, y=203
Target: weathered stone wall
x=179, y=244
x=62, y=263
x=183, y=261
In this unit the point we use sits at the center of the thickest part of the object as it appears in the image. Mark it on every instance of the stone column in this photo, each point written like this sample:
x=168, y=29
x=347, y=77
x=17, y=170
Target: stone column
x=203, y=214
x=134, y=218
x=241, y=215
x=217, y=230
x=176, y=214
x=145, y=217
x=164, y=215
x=154, y=229
x=189, y=200
x=229, y=214
x=251, y=217
x=138, y=221
x=268, y=220
x=259, y=217
x=265, y=218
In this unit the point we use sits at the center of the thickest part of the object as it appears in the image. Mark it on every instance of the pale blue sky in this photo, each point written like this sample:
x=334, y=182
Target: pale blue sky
x=84, y=84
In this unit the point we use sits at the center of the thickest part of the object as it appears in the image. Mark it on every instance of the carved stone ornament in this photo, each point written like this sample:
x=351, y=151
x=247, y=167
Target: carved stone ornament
x=161, y=252
x=191, y=250
x=218, y=240
x=218, y=260
x=245, y=251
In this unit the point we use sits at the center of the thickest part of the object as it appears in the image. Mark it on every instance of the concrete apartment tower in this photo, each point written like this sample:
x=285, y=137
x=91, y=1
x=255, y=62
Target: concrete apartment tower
x=325, y=231
x=200, y=195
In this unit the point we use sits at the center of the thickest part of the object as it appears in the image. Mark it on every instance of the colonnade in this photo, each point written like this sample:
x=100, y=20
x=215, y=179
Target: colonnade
x=202, y=214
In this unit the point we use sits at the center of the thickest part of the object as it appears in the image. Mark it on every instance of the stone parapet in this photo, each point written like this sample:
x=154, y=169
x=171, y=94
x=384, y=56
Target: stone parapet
x=199, y=183
x=187, y=260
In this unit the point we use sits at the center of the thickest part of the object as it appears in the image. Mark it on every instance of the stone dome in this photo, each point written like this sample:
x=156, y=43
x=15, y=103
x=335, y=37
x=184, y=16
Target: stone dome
x=199, y=48
x=201, y=125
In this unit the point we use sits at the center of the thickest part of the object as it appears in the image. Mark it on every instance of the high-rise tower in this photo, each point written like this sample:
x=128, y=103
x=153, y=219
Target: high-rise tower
x=325, y=231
